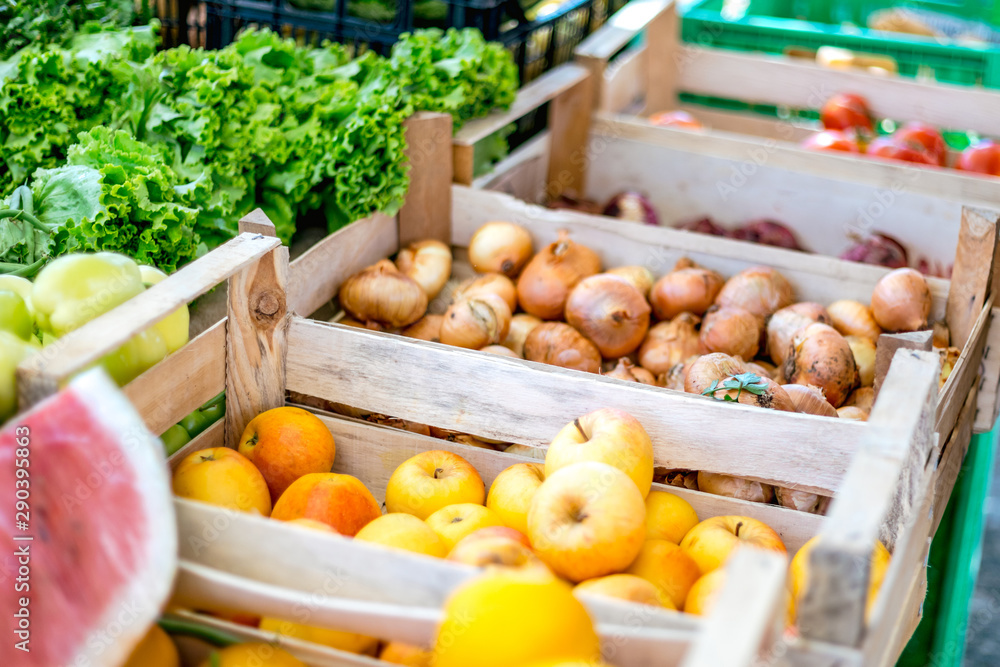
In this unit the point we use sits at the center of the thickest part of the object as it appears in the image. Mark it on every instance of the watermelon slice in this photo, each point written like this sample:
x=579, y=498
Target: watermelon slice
x=88, y=559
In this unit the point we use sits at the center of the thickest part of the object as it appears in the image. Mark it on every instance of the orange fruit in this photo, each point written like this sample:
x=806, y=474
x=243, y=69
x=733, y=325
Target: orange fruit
x=340, y=501
x=285, y=444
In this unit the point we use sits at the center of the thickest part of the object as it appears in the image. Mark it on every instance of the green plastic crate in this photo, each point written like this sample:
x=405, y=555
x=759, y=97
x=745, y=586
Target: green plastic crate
x=778, y=26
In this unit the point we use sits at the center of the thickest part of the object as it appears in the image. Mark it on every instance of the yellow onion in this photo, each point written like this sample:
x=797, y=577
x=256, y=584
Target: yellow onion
x=402, y=424
x=380, y=293
x=669, y=343
x=942, y=335
x=559, y=344
x=863, y=349
x=500, y=247
x=351, y=322
x=809, y=399
x=802, y=501
x=812, y=310
x=527, y=450
x=709, y=368
x=852, y=412
x=853, y=318
x=820, y=356
x=735, y=487
x=761, y=368
x=476, y=322
x=674, y=377
x=731, y=330
x=682, y=479
x=901, y=301
x=773, y=397
x=520, y=326
x=640, y=277
x=761, y=290
x=610, y=312
x=546, y=281
x=626, y=370
x=862, y=397
x=426, y=328
x=500, y=351
x=692, y=290
x=428, y=263
x=490, y=283
x=783, y=325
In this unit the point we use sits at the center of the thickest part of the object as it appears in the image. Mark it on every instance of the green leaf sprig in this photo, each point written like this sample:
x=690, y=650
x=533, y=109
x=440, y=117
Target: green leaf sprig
x=750, y=382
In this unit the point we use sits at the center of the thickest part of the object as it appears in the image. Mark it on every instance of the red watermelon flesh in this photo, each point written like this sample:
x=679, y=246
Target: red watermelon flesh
x=103, y=550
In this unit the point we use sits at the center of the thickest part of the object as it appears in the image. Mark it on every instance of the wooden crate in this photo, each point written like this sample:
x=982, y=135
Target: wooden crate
x=884, y=471
x=640, y=79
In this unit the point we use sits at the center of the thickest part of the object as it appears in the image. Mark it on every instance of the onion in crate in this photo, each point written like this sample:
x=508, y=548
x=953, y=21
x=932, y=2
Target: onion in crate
x=631, y=206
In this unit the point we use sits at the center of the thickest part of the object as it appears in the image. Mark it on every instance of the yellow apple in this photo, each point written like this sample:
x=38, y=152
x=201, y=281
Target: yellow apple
x=625, y=587
x=495, y=551
x=514, y=617
x=511, y=493
x=252, y=654
x=608, y=436
x=587, y=520
x=702, y=596
x=403, y=531
x=425, y=483
x=668, y=517
x=666, y=566
x=798, y=580
x=712, y=541
x=345, y=641
x=454, y=522
x=222, y=476
x=398, y=653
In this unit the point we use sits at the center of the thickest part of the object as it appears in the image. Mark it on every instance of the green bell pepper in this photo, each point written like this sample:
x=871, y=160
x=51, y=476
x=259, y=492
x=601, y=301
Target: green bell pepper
x=14, y=316
x=174, y=327
x=13, y=351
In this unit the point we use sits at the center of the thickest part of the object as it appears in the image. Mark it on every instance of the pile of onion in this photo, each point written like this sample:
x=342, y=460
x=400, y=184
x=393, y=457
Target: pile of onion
x=545, y=283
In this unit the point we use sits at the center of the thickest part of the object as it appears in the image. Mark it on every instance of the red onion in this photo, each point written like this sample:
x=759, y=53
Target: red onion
x=704, y=226
x=630, y=205
x=582, y=205
x=878, y=249
x=768, y=232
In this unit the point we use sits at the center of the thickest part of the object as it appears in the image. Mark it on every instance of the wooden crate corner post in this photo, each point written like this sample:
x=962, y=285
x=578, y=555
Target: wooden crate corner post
x=973, y=272
x=256, y=333
x=569, y=134
x=427, y=211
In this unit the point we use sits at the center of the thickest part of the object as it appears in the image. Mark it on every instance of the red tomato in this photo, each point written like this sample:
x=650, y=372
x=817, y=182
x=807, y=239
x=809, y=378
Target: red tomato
x=678, y=119
x=982, y=158
x=832, y=140
x=927, y=136
x=890, y=148
x=847, y=111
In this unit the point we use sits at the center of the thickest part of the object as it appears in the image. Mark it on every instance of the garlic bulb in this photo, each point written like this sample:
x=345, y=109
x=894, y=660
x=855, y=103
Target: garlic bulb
x=380, y=293
x=428, y=263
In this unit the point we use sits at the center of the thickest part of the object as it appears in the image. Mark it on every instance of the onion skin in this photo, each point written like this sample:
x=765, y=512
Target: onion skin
x=862, y=397
x=528, y=451
x=901, y=301
x=761, y=290
x=852, y=412
x=704, y=226
x=610, y=312
x=768, y=232
x=774, y=396
x=761, y=368
x=520, y=326
x=559, y=344
x=380, y=293
x=781, y=328
x=853, y=318
x=810, y=400
x=688, y=290
x=735, y=487
x=669, y=343
x=878, y=249
x=428, y=263
x=631, y=206
x=641, y=278
x=802, y=501
x=814, y=311
x=709, y=368
x=489, y=283
x=820, y=356
x=674, y=377
x=864, y=358
x=500, y=351
x=426, y=328
x=733, y=331
x=629, y=372
x=546, y=281
x=476, y=322
x=500, y=247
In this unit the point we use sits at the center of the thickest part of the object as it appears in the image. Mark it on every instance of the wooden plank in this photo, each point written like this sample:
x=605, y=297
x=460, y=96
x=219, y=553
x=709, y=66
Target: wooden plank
x=972, y=273
x=543, y=89
x=989, y=381
x=372, y=453
x=40, y=375
x=621, y=28
x=801, y=85
x=623, y=89
x=963, y=375
x=952, y=457
x=522, y=173
x=255, y=341
x=187, y=379
x=569, y=127
x=752, y=124
x=464, y=163
x=888, y=344
x=749, y=613
x=213, y=436
x=880, y=495
x=815, y=278
x=316, y=275
x=470, y=392
x=427, y=211
x=663, y=60
x=256, y=222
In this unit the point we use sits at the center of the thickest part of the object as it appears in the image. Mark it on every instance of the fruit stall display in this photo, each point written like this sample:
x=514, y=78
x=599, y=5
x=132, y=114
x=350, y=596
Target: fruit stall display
x=651, y=82
x=231, y=561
